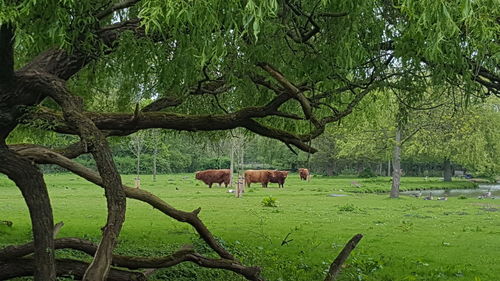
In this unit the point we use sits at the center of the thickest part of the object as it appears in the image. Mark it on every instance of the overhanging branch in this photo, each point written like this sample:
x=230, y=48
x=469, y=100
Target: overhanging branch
x=46, y=156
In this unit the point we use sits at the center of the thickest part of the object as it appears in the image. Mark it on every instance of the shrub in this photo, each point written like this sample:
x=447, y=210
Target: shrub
x=347, y=208
x=269, y=202
x=367, y=173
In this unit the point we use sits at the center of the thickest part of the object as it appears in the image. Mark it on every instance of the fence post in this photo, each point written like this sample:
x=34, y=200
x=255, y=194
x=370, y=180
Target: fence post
x=240, y=187
x=137, y=182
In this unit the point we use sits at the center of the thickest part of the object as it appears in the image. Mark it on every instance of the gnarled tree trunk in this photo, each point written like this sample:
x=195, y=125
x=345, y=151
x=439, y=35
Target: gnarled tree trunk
x=30, y=181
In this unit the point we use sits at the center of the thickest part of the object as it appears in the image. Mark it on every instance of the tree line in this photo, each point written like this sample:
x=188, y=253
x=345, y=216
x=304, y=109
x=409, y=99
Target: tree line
x=463, y=138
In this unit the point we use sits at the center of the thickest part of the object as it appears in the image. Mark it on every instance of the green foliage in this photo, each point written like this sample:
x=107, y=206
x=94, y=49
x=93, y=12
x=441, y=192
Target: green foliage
x=363, y=267
x=347, y=208
x=367, y=173
x=269, y=202
x=467, y=137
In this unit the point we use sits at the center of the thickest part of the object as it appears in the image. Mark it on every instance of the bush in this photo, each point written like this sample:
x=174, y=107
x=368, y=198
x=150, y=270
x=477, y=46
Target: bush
x=347, y=208
x=269, y=202
x=367, y=173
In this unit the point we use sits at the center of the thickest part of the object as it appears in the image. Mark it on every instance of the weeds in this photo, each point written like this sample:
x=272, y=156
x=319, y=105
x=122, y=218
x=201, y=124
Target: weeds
x=269, y=202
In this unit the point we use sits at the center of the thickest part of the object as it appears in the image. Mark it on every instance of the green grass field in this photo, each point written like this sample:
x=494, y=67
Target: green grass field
x=404, y=239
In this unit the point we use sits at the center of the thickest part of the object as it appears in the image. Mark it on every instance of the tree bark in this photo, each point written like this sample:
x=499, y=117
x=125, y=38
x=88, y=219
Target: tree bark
x=97, y=144
x=13, y=265
x=336, y=265
x=30, y=181
x=65, y=267
x=396, y=165
x=447, y=169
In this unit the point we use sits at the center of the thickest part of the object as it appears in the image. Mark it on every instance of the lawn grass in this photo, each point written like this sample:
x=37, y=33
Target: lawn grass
x=404, y=239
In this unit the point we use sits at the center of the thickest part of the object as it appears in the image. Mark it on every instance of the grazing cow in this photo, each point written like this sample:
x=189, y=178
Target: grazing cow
x=278, y=177
x=304, y=173
x=261, y=176
x=214, y=176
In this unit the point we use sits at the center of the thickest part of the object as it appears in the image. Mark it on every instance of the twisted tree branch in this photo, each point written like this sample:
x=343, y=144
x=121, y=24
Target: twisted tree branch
x=14, y=253
x=336, y=265
x=72, y=108
x=64, y=267
x=30, y=181
x=43, y=155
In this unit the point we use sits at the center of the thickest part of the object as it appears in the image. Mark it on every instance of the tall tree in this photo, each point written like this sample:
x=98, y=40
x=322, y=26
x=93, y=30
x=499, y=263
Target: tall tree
x=155, y=144
x=280, y=69
x=463, y=136
x=136, y=145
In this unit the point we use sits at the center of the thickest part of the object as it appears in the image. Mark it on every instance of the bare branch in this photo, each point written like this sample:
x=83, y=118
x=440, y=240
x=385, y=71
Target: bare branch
x=184, y=254
x=45, y=156
x=291, y=89
x=305, y=33
x=332, y=15
x=260, y=80
x=64, y=267
x=336, y=265
x=285, y=137
x=126, y=122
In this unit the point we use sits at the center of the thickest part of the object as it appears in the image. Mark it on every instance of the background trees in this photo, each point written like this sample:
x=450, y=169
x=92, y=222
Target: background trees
x=279, y=69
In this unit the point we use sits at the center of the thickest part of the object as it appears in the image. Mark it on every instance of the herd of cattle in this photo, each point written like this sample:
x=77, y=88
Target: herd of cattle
x=264, y=177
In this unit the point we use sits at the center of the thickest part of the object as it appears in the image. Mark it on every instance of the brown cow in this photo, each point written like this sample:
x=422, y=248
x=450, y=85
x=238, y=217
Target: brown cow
x=304, y=173
x=214, y=176
x=261, y=176
x=278, y=177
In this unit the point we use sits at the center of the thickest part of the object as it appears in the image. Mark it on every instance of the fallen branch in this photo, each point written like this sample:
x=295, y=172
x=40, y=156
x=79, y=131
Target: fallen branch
x=336, y=265
x=13, y=254
x=64, y=267
x=44, y=155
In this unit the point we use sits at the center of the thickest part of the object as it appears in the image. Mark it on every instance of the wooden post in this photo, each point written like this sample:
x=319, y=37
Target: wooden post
x=137, y=182
x=240, y=187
